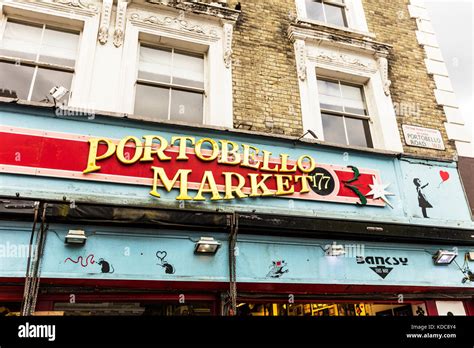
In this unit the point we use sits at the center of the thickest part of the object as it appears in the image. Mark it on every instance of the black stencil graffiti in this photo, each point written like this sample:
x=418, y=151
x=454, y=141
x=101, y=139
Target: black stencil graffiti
x=161, y=255
x=277, y=269
x=422, y=200
x=106, y=267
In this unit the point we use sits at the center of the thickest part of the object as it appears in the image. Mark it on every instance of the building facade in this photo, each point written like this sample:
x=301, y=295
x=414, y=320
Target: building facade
x=230, y=158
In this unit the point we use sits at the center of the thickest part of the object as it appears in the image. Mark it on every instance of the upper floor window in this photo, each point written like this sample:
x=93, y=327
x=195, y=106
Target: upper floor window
x=344, y=113
x=34, y=58
x=170, y=84
x=328, y=11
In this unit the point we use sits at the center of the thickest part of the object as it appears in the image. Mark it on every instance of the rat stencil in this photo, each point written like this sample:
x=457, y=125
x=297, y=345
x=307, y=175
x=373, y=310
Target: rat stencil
x=106, y=266
x=277, y=269
x=161, y=255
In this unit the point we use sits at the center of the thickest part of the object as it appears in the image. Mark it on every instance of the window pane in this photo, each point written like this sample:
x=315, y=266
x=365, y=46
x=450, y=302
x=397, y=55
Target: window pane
x=353, y=99
x=188, y=70
x=21, y=40
x=333, y=127
x=15, y=80
x=47, y=79
x=155, y=64
x=329, y=95
x=314, y=10
x=59, y=47
x=335, y=15
x=152, y=102
x=358, y=132
x=186, y=106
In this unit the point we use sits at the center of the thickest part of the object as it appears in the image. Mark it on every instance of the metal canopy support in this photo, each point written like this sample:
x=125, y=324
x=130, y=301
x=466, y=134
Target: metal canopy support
x=233, y=252
x=35, y=253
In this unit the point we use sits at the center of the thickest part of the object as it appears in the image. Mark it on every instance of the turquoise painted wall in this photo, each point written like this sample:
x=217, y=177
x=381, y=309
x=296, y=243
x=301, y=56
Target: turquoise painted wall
x=133, y=255
x=449, y=205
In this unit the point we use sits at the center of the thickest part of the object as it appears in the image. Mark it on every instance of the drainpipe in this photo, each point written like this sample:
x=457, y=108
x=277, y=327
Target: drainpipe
x=35, y=253
x=234, y=227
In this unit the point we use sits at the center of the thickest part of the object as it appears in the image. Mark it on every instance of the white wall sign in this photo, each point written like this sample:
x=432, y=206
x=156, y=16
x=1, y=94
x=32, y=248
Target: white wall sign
x=423, y=137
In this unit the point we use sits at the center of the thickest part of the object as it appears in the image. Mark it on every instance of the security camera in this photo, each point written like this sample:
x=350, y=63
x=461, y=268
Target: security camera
x=58, y=92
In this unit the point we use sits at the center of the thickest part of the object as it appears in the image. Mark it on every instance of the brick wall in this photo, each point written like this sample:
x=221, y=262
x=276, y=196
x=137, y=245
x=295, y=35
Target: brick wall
x=266, y=93
x=412, y=87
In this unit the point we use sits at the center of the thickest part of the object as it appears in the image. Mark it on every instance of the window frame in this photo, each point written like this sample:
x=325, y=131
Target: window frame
x=218, y=101
x=37, y=64
x=344, y=114
x=337, y=3
x=171, y=86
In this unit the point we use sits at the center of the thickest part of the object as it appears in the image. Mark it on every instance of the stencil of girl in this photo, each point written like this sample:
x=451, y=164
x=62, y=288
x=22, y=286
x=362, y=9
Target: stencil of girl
x=422, y=201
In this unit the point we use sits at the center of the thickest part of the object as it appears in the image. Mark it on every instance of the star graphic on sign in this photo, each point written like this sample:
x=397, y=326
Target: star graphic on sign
x=378, y=190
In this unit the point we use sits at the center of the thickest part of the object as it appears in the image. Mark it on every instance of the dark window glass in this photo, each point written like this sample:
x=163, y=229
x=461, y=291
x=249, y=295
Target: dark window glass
x=47, y=79
x=15, y=80
x=152, y=102
x=334, y=129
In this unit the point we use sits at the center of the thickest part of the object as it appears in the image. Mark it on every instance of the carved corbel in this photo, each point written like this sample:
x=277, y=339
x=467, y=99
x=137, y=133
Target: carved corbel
x=228, y=33
x=300, y=49
x=105, y=21
x=120, y=23
x=382, y=62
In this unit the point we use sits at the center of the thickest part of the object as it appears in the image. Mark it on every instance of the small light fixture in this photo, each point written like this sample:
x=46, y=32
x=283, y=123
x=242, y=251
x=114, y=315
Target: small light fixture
x=207, y=245
x=58, y=93
x=75, y=237
x=335, y=250
x=310, y=132
x=444, y=257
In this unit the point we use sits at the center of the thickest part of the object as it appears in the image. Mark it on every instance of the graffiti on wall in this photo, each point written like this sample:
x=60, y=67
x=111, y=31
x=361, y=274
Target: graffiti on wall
x=161, y=255
x=105, y=266
x=277, y=269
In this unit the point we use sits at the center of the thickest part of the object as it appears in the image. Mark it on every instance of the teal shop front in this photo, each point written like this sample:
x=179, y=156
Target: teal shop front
x=303, y=228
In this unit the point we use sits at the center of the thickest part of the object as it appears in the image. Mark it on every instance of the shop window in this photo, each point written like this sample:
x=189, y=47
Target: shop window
x=35, y=58
x=344, y=113
x=170, y=85
x=327, y=11
x=330, y=309
x=134, y=309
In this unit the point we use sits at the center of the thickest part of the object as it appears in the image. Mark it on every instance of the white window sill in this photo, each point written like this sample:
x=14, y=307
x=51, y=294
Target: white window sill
x=351, y=31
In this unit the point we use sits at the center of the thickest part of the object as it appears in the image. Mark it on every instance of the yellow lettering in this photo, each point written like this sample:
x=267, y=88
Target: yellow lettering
x=121, y=150
x=215, y=149
x=304, y=182
x=259, y=185
x=225, y=153
x=284, y=164
x=312, y=164
x=230, y=190
x=159, y=151
x=93, y=147
x=284, y=186
x=208, y=179
x=168, y=184
x=266, y=162
x=183, y=146
x=249, y=157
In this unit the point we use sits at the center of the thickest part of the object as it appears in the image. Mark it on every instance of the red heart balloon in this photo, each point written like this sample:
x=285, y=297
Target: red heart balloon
x=444, y=175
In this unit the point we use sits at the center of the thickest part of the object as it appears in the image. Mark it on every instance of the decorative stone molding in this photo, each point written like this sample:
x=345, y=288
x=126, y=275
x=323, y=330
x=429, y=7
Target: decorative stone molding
x=201, y=8
x=120, y=23
x=343, y=59
x=383, y=68
x=175, y=22
x=105, y=21
x=227, y=41
x=84, y=4
x=346, y=40
x=300, y=49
